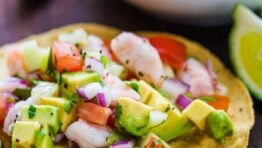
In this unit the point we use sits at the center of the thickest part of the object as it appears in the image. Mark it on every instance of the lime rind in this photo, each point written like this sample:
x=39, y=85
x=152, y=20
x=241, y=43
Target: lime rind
x=245, y=21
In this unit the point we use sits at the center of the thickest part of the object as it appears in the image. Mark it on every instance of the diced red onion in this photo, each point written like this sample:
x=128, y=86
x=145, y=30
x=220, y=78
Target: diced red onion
x=89, y=91
x=92, y=64
x=59, y=137
x=8, y=106
x=101, y=99
x=174, y=87
x=9, y=84
x=183, y=101
x=81, y=93
x=123, y=144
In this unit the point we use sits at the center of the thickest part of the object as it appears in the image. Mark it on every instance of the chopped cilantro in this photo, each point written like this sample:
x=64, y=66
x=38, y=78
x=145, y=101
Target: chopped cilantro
x=68, y=106
x=31, y=111
x=207, y=99
x=105, y=60
x=134, y=85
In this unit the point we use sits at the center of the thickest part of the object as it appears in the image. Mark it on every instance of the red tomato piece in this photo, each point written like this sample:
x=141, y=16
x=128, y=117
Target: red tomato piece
x=221, y=102
x=66, y=57
x=94, y=113
x=3, y=109
x=170, y=50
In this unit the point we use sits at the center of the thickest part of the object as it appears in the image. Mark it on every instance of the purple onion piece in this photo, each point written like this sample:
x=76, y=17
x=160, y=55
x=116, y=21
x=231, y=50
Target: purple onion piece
x=81, y=93
x=183, y=101
x=59, y=137
x=101, y=99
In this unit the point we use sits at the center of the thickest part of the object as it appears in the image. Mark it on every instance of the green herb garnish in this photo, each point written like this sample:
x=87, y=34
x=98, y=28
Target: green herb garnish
x=105, y=60
x=68, y=105
x=31, y=111
x=134, y=85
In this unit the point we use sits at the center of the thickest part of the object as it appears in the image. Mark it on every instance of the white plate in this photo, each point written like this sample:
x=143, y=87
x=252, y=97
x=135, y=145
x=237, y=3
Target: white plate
x=199, y=12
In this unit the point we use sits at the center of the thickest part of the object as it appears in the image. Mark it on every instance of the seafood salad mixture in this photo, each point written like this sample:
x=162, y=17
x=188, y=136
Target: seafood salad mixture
x=131, y=91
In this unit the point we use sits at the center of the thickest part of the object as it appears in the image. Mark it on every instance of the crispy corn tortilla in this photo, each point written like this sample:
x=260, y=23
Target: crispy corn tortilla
x=240, y=107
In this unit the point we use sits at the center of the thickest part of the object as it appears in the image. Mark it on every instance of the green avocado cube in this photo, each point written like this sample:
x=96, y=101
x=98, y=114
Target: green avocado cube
x=152, y=139
x=133, y=116
x=219, y=124
x=70, y=81
x=153, y=98
x=44, y=114
x=176, y=125
x=65, y=117
x=197, y=112
x=144, y=90
x=24, y=133
x=44, y=138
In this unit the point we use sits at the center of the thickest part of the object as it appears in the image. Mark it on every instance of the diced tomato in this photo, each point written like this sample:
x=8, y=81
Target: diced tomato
x=221, y=102
x=171, y=50
x=152, y=144
x=66, y=57
x=94, y=113
x=3, y=108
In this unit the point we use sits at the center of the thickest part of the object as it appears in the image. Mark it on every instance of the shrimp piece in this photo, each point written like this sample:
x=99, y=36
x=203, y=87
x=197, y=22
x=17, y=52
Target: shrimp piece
x=15, y=61
x=197, y=76
x=118, y=88
x=87, y=135
x=94, y=43
x=139, y=56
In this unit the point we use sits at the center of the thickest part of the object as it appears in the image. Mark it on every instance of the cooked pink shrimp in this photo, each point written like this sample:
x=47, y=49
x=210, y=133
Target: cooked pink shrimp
x=94, y=43
x=139, y=56
x=15, y=61
x=87, y=135
x=197, y=76
x=117, y=88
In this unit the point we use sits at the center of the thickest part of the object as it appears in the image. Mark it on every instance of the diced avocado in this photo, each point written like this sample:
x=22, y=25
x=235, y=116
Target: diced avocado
x=151, y=140
x=176, y=125
x=45, y=89
x=77, y=37
x=144, y=90
x=158, y=102
x=31, y=52
x=65, y=117
x=44, y=114
x=197, y=112
x=153, y=98
x=133, y=116
x=219, y=124
x=24, y=133
x=73, y=80
x=44, y=138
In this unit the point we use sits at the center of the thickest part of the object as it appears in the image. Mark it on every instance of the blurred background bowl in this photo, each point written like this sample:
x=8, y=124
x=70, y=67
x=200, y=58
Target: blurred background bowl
x=196, y=12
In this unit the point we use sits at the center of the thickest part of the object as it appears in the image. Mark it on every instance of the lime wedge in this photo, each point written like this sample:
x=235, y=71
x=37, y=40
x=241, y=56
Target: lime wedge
x=245, y=43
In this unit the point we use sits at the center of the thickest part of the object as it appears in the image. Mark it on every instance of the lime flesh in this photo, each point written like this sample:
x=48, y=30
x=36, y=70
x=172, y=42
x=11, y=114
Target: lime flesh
x=251, y=56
